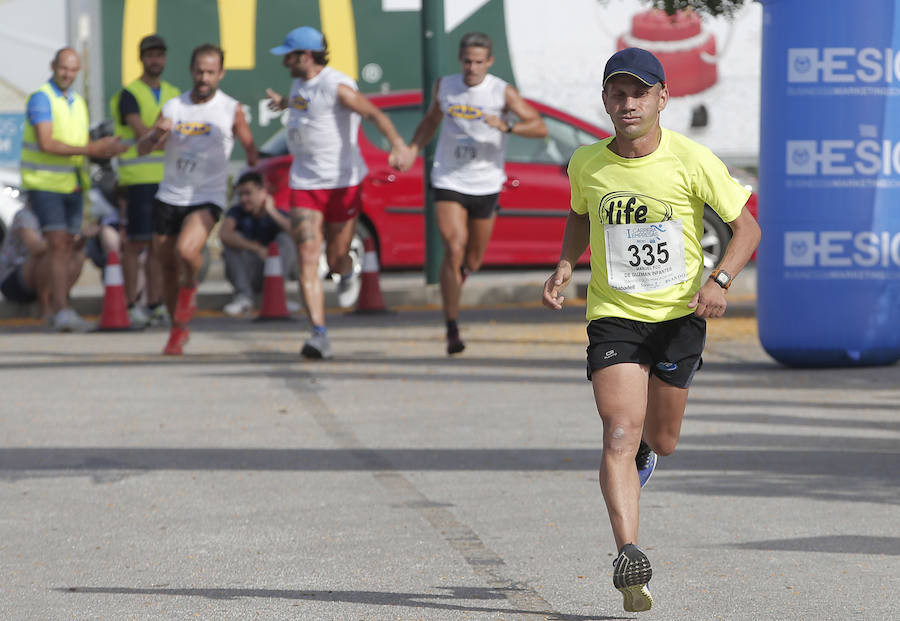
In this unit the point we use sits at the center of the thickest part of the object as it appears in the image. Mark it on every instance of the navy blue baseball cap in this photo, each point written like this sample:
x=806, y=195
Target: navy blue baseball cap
x=635, y=62
x=302, y=38
x=152, y=42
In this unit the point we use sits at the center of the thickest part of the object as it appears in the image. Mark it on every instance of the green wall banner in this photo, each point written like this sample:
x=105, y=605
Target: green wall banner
x=378, y=43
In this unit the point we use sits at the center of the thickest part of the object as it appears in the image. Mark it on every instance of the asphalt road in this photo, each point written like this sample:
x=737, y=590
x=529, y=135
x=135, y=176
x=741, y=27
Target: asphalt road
x=241, y=482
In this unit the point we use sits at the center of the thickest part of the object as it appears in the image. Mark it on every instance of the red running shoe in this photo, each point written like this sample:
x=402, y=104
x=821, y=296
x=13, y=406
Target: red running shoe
x=178, y=338
x=186, y=305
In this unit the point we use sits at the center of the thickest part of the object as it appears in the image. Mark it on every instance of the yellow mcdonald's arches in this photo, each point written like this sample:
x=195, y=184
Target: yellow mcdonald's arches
x=339, y=28
x=237, y=34
x=138, y=21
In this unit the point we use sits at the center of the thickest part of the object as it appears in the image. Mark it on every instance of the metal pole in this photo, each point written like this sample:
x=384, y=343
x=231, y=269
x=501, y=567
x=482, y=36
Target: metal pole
x=432, y=35
x=83, y=48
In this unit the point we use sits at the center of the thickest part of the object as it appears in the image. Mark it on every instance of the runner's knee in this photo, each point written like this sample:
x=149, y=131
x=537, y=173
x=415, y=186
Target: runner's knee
x=473, y=263
x=187, y=252
x=308, y=253
x=455, y=249
x=662, y=442
x=621, y=437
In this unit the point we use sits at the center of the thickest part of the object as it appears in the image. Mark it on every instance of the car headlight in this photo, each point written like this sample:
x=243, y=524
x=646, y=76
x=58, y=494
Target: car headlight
x=9, y=191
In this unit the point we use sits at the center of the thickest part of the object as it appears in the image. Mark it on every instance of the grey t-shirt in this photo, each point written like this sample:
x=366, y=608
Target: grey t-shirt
x=13, y=252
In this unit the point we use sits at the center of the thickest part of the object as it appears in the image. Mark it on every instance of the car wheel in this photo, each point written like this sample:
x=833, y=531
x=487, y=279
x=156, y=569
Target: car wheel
x=716, y=235
x=357, y=252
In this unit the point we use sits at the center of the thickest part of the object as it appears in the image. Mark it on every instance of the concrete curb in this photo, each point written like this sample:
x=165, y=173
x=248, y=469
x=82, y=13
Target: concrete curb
x=399, y=289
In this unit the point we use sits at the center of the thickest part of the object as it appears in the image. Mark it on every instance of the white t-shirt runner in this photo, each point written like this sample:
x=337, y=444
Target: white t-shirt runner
x=322, y=134
x=198, y=150
x=470, y=153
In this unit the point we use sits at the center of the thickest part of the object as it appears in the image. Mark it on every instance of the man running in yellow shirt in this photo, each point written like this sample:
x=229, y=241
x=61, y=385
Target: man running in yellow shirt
x=638, y=199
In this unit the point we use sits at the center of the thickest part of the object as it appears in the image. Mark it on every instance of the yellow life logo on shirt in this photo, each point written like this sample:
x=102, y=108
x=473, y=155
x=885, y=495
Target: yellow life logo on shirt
x=192, y=128
x=464, y=111
x=629, y=208
x=299, y=103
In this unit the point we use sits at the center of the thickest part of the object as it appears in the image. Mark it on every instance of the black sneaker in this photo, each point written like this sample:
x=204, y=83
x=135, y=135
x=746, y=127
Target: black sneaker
x=454, y=344
x=631, y=573
x=646, y=462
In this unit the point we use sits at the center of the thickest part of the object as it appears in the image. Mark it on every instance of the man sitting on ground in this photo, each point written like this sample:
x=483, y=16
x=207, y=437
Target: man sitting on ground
x=25, y=262
x=246, y=233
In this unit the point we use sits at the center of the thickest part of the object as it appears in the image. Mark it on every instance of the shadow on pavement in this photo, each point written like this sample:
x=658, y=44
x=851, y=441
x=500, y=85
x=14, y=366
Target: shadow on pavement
x=848, y=475
x=371, y=365
x=380, y=598
x=834, y=544
x=770, y=374
x=728, y=415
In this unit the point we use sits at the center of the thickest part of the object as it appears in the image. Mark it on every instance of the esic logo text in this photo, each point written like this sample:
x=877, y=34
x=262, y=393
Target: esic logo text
x=841, y=249
x=842, y=157
x=843, y=65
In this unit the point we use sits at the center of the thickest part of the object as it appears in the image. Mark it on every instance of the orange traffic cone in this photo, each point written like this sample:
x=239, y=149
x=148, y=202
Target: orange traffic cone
x=370, y=298
x=115, y=312
x=274, y=304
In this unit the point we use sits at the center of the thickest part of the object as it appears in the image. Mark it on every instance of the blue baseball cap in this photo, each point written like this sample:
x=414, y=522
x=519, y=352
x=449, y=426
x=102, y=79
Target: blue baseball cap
x=635, y=62
x=302, y=38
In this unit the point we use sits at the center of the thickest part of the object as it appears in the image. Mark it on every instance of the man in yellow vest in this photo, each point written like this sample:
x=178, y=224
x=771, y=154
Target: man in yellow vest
x=54, y=146
x=135, y=108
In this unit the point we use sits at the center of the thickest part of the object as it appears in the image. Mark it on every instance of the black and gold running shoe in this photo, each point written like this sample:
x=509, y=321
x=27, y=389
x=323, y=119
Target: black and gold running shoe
x=631, y=573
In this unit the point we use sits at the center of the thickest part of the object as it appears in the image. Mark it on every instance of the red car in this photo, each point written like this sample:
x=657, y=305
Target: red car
x=534, y=202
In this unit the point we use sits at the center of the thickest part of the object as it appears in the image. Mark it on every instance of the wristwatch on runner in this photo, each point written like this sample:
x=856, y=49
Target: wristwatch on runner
x=721, y=278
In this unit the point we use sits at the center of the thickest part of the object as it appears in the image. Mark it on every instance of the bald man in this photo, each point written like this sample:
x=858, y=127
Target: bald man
x=54, y=146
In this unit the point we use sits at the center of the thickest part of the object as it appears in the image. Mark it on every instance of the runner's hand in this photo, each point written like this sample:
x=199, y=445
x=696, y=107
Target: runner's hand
x=402, y=158
x=276, y=101
x=495, y=121
x=709, y=301
x=107, y=147
x=559, y=280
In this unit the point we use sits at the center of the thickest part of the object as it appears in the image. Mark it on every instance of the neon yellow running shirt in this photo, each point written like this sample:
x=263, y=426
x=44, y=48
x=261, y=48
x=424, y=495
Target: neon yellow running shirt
x=646, y=217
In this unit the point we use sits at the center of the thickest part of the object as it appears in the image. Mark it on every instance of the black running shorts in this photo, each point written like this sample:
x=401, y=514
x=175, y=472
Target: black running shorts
x=672, y=349
x=168, y=219
x=479, y=207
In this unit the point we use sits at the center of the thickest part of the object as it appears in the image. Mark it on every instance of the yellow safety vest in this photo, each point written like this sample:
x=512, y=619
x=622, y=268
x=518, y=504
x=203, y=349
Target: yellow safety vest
x=71, y=126
x=133, y=168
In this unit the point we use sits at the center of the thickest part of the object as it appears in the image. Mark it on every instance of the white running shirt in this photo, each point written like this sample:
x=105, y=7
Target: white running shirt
x=197, y=150
x=322, y=134
x=470, y=153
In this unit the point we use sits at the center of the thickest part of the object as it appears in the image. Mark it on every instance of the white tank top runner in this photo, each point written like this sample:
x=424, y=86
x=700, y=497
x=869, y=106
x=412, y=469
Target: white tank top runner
x=198, y=150
x=322, y=134
x=470, y=153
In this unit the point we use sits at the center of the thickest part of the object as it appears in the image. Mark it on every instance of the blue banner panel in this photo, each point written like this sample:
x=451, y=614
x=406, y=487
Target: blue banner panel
x=829, y=261
x=11, y=127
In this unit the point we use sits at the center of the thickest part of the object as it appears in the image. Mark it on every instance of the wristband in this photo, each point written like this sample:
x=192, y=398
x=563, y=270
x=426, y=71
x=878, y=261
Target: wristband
x=509, y=127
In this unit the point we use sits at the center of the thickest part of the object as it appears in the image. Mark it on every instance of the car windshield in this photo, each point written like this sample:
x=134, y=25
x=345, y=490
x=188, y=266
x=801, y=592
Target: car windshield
x=276, y=145
x=555, y=148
